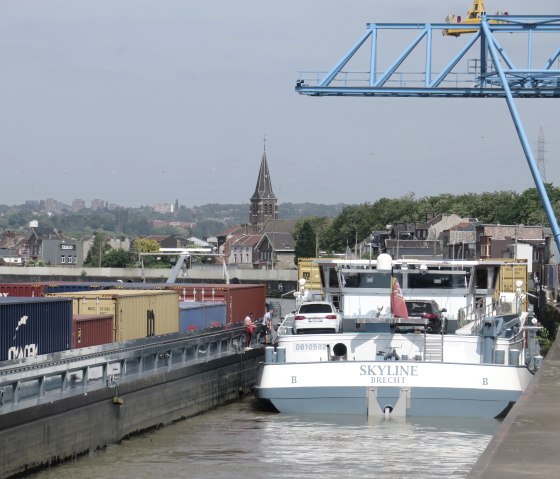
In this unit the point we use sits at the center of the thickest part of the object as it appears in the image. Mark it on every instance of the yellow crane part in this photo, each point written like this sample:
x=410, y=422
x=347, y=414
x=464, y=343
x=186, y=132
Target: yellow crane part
x=473, y=17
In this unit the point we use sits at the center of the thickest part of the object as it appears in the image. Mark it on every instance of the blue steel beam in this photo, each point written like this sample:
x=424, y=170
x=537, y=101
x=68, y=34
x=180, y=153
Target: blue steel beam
x=529, y=82
x=508, y=83
x=523, y=137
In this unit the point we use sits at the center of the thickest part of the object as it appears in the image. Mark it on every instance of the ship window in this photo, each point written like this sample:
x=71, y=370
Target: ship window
x=333, y=278
x=436, y=281
x=367, y=280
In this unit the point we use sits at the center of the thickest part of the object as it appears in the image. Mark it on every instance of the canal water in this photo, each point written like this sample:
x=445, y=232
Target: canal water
x=236, y=441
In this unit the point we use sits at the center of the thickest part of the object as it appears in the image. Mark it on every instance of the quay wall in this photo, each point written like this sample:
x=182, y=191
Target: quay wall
x=50, y=433
x=36, y=273
x=526, y=444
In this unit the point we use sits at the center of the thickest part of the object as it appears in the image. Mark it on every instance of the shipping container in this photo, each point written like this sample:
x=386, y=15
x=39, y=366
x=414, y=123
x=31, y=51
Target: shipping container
x=137, y=313
x=240, y=299
x=196, y=315
x=27, y=290
x=67, y=287
x=33, y=326
x=92, y=330
x=40, y=288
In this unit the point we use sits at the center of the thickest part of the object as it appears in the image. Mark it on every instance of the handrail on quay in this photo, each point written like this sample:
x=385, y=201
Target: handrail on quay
x=30, y=381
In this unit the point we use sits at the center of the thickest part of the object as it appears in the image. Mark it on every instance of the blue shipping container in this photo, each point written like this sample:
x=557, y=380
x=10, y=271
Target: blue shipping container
x=33, y=326
x=66, y=287
x=195, y=315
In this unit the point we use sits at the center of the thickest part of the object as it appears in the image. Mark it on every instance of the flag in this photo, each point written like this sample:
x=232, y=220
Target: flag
x=21, y=322
x=225, y=271
x=398, y=306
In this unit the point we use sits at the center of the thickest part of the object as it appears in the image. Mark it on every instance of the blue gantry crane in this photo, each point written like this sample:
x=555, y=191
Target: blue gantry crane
x=490, y=72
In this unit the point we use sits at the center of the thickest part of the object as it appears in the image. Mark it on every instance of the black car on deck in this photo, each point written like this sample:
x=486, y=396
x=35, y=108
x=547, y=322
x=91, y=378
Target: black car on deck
x=430, y=310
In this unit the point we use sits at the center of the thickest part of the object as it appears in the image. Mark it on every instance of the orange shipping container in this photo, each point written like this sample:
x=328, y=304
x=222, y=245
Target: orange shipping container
x=29, y=290
x=137, y=313
x=91, y=330
x=239, y=298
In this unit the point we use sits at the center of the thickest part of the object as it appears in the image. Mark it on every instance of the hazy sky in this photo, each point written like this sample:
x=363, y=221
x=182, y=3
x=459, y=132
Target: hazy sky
x=138, y=102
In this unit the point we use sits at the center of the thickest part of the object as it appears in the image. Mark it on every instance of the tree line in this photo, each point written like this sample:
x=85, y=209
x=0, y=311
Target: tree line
x=356, y=222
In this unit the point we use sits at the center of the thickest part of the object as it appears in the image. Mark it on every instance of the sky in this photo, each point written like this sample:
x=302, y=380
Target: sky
x=139, y=102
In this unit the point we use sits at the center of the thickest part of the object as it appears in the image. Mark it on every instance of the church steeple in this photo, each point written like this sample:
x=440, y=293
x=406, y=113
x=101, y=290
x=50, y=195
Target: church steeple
x=263, y=202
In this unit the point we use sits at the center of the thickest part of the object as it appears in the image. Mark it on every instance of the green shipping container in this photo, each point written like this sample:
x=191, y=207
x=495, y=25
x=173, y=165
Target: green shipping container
x=138, y=313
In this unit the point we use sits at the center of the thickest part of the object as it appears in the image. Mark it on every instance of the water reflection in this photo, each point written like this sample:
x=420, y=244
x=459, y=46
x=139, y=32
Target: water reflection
x=236, y=441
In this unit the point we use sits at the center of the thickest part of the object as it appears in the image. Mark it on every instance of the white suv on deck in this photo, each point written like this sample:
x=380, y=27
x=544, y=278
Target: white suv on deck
x=317, y=317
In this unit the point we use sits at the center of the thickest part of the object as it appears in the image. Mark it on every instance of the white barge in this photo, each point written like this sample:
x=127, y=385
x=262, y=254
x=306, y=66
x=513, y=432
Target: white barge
x=388, y=365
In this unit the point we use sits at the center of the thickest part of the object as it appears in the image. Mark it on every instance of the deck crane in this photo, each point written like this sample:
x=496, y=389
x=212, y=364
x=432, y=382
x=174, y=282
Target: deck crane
x=473, y=17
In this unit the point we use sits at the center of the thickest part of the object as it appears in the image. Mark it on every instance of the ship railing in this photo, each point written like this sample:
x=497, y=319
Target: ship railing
x=31, y=381
x=472, y=315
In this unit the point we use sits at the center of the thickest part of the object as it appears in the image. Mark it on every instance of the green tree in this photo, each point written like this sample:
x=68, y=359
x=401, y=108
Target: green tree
x=99, y=247
x=116, y=258
x=306, y=246
x=528, y=208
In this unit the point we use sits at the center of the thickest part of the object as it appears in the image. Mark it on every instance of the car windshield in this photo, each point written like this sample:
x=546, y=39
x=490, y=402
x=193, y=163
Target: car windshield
x=418, y=308
x=315, y=308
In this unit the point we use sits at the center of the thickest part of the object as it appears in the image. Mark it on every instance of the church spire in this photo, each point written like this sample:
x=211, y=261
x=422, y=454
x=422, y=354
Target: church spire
x=263, y=202
x=263, y=189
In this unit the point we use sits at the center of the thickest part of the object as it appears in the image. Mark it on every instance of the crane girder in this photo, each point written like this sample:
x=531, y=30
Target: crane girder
x=481, y=82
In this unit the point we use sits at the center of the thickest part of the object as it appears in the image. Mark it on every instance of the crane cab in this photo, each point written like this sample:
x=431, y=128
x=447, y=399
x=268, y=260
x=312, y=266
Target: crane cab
x=473, y=17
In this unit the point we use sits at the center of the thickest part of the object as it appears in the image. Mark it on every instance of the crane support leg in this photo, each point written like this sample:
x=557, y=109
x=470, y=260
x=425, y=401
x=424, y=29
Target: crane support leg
x=541, y=190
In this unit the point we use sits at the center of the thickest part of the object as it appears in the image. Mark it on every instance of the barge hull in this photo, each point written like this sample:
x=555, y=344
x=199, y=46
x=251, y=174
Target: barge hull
x=50, y=433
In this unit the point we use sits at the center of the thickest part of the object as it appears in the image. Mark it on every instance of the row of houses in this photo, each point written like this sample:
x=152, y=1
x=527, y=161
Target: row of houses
x=50, y=246
x=269, y=247
x=272, y=246
x=455, y=238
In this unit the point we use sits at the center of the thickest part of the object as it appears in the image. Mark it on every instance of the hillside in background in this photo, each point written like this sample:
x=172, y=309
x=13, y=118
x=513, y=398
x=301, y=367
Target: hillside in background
x=201, y=221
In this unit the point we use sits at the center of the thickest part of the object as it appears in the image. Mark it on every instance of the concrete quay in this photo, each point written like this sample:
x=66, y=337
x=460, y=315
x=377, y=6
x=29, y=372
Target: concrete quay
x=527, y=442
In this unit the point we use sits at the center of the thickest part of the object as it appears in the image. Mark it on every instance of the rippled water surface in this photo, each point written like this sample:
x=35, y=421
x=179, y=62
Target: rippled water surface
x=236, y=441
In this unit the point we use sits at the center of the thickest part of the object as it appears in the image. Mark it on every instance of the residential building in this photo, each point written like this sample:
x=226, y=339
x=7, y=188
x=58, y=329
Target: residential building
x=78, y=204
x=173, y=224
x=495, y=241
x=224, y=236
x=97, y=204
x=60, y=252
x=402, y=249
x=242, y=250
x=163, y=208
x=276, y=251
x=170, y=241
x=459, y=241
x=278, y=226
x=49, y=245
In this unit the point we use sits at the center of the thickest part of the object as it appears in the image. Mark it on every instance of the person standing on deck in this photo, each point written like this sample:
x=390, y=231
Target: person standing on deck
x=249, y=327
x=267, y=325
